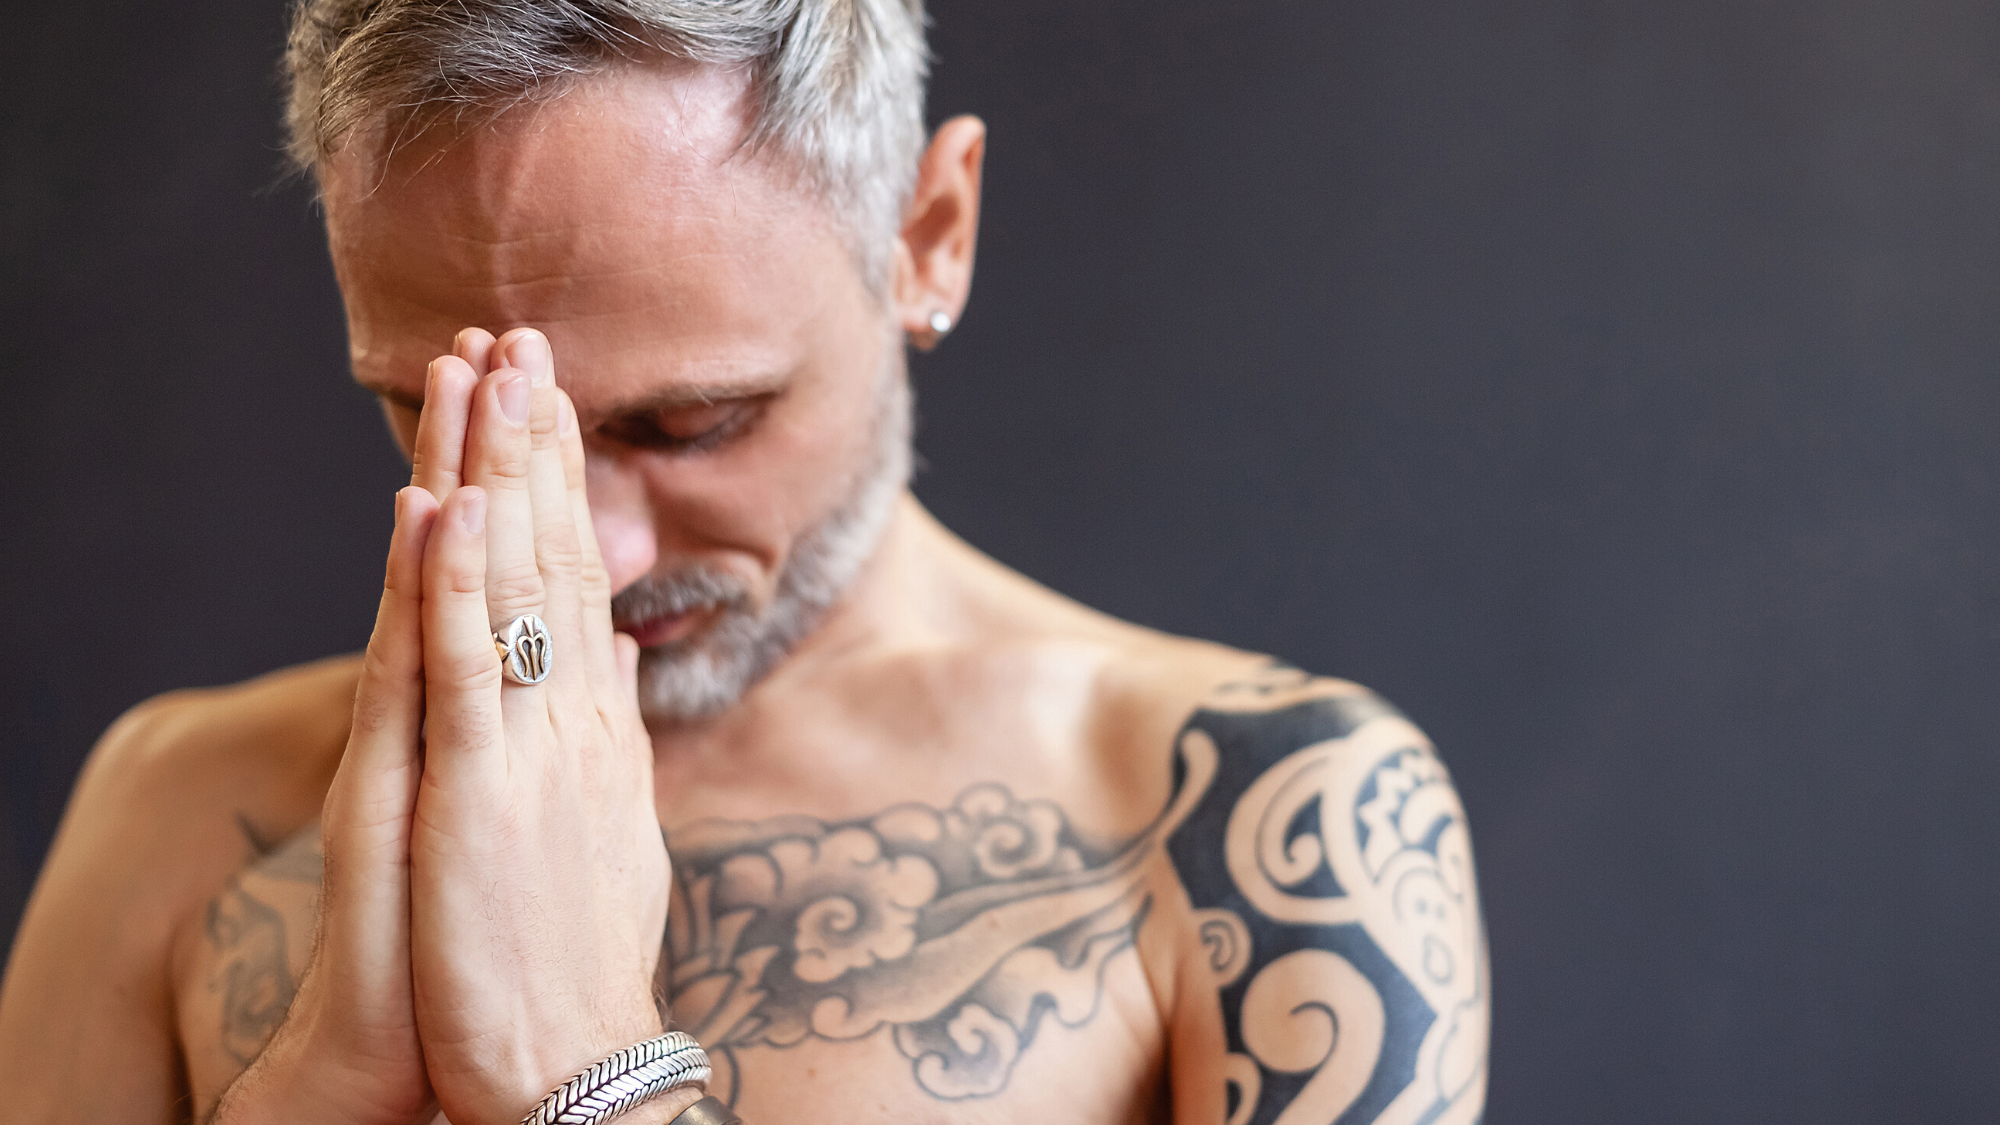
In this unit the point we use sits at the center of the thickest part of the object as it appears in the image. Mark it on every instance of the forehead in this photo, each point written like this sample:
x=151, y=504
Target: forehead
x=626, y=219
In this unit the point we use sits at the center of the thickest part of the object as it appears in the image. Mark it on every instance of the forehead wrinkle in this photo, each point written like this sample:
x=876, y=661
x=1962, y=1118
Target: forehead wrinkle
x=560, y=277
x=557, y=293
x=595, y=253
x=560, y=300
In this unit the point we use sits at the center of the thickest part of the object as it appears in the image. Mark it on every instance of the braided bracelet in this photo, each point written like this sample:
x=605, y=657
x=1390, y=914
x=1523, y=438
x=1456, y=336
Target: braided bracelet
x=623, y=1080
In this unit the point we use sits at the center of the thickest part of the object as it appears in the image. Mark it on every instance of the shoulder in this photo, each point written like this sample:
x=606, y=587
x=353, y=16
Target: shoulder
x=1290, y=793
x=1310, y=801
x=1332, y=907
x=256, y=756
x=179, y=794
x=1167, y=704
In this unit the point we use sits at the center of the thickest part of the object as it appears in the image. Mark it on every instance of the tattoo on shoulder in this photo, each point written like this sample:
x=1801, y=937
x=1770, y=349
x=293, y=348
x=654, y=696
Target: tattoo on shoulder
x=246, y=927
x=962, y=929
x=1329, y=864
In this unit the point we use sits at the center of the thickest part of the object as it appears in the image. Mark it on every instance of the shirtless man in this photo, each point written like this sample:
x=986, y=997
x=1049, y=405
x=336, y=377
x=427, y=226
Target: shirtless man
x=944, y=845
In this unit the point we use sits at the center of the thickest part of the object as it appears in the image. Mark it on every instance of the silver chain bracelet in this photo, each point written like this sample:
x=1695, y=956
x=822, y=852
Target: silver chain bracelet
x=623, y=1080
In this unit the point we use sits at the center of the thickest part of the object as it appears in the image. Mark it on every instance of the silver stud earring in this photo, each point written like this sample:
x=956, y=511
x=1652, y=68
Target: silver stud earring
x=940, y=322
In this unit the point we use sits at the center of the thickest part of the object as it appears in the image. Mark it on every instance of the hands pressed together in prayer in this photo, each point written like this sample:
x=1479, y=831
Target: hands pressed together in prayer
x=496, y=880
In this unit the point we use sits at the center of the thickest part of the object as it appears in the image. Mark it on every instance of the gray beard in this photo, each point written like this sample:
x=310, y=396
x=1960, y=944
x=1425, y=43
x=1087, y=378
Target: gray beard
x=703, y=674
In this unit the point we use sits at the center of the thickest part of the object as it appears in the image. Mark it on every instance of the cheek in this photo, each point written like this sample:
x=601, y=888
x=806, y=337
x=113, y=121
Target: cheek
x=621, y=518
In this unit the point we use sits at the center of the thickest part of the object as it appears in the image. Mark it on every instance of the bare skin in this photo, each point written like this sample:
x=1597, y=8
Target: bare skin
x=971, y=852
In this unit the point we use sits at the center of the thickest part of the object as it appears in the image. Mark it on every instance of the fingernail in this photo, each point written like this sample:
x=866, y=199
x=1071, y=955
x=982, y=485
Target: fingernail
x=530, y=352
x=565, y=416
x=513, y=392
x=473, y=511
x=399, y=506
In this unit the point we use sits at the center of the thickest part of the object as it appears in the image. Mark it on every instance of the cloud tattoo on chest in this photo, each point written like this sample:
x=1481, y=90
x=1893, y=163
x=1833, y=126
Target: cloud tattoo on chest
x=962, y=929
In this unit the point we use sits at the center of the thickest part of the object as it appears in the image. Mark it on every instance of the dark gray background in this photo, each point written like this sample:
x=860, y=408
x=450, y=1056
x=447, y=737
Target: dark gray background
x=1608, y=383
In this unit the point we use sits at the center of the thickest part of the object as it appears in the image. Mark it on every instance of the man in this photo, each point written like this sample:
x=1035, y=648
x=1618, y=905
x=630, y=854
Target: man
x=944, y=845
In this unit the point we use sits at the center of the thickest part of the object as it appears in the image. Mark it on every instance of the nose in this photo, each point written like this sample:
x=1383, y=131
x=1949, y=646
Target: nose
x=623, y=520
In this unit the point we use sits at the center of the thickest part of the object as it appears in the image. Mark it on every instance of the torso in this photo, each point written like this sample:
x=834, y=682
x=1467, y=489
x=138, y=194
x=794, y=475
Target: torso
x=998, y=859
x=938, y=891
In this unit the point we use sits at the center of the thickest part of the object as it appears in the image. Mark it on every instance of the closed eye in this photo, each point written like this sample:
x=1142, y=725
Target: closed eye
x=696, y=428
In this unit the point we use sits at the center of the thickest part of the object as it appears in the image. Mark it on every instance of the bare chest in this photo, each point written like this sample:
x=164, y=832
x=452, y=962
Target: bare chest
x=977, y=961
x=972, y=962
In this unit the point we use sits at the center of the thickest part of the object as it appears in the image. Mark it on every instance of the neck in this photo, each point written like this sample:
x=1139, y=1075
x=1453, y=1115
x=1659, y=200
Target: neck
x=911, y=592
x=900, y=597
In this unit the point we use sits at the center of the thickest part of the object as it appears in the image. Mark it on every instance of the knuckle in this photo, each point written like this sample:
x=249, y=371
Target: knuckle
x=508, y=468
x=468, y=672
x=516, y=586
x=465, y=582
x=423, y=464
x=557, y=548
x=383, y=664
x=397, y=587
x=542, y=425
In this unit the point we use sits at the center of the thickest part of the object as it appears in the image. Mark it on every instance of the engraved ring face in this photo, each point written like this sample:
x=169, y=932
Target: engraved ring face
x=524, y=650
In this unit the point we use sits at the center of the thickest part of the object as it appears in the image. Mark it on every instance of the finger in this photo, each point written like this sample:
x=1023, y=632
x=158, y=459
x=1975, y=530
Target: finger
x=475, y=347
x=461, y=670
x=626, y=655
x=497, y=459
x=437, y=462
x=366, y=820
x=593, y=584
x=557, y=550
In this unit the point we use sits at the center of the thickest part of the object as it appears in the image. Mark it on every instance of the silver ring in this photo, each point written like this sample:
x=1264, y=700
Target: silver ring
x=524, y=648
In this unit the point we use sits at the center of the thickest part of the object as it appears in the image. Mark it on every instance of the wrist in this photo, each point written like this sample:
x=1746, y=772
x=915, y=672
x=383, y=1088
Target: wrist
x=663, y=1109
x=302, y=1077
x=650, y=1082
x=543, y=1063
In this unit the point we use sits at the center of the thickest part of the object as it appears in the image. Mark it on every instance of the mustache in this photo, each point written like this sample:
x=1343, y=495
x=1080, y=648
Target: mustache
x=679, y=592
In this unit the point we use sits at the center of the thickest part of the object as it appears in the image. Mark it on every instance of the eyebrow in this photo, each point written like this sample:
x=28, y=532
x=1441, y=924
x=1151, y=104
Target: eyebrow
x=699, y=394
x=669, y=398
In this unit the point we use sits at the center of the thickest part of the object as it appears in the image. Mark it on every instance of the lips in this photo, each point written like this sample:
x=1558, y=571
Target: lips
x=666, y=628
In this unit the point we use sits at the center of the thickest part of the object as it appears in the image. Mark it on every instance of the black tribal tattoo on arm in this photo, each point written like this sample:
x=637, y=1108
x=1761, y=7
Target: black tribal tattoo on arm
x=1331, y=872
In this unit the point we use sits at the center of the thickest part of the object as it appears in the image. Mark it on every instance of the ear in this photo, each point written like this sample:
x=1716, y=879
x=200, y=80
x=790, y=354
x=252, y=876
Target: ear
x=933, y=272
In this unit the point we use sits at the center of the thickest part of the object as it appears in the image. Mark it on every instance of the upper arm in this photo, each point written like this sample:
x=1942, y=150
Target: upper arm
x=1337, y=963
x=86, y=1024
x=173, y=801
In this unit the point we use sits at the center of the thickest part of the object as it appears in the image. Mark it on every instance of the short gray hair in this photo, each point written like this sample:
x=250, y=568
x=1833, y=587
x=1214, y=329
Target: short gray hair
x=838, y=85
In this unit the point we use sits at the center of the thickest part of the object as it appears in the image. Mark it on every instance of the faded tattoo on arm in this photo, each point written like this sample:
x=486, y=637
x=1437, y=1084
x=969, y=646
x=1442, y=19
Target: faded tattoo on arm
x=1331, y=872
x=246, y=927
